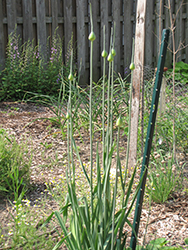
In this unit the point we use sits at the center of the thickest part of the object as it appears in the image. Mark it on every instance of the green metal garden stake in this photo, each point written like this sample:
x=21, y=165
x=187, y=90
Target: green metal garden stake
x=149, y=137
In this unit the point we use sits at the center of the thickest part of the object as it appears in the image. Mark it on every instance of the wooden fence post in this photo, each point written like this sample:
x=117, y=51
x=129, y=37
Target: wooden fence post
x=149, y=34
x=41, y=26
x=128, y=32
x=67, y=24
x=137, y=79
x=2, y=46
x=186, y=34
x=11, y=15
x=97, y=54
x=116, y=6
x=54, y=8
x=27, y=21
x=105, y=22
x=80, y=10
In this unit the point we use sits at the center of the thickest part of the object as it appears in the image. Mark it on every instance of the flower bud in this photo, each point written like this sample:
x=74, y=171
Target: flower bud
x=104, y=53
x=113, y=52
x=70, y=77
x=119, y=122
x=110, y=57
x=132, y=66
x=92, y=36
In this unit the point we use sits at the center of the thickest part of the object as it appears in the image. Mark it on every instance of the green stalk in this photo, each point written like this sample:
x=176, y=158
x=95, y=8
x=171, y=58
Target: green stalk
x=115, y=191
x=69, y=126
x=129, y=123
x=68, y=138
x=112, y=91
x=91, y=38
x=71, y=123
x=104, y=69
x=110, y=59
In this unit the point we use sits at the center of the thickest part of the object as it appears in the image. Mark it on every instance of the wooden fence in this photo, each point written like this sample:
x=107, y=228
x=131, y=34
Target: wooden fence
x=38, y=19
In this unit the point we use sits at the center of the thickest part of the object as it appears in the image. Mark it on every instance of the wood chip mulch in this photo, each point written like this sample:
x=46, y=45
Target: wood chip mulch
x=168, y=220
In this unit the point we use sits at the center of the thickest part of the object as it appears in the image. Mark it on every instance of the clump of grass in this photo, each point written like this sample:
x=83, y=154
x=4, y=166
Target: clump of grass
x=27, y=70
x=14, y=166
x=165, y=177
x=23, y=230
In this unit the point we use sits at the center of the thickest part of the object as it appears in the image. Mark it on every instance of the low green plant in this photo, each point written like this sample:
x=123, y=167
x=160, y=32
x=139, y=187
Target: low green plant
x=181, y=73
x=164, y=177
x=159, y=243
x=15, y=162
x=163, y=137
x=22, y=231
x=27, y=70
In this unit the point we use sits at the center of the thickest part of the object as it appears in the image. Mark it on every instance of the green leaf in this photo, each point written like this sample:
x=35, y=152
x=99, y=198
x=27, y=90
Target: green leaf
x=186, y=241
x=159, y=242
x=61, y=242
x=3, y=189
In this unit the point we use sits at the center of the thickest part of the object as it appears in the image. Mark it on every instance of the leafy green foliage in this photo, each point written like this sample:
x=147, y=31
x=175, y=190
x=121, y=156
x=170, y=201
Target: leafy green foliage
x=22, y=231
x=15, y=162
x=164, y=177
x=27, y=70
x=181, y=73
x=156, y=244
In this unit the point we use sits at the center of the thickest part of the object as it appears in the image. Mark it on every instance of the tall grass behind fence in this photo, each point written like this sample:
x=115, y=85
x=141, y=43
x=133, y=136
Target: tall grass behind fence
x=38, y=19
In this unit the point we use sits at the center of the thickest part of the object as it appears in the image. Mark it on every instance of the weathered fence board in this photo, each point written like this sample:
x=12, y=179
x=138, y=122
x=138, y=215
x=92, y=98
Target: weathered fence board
x=38, y=19
x=11, y=15
x=54, y=7
x=179, y=27
x=2, y=47
x=96, y=48
x=128, y=31
x=67, y=23
x=41, y=25
x=27, y=21
x=167, y=24
x=105, y=22
x=149, y=34
x=186, y=33
x=116, y=10
x=81, y=40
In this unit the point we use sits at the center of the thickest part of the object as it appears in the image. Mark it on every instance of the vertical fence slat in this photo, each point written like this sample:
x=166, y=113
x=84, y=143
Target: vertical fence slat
x=41, y=25
x=149, y=34
x=96, y=54
x=128, y=32
x=81, y=40
x=104, y=22
x=178, y=30
x=116, y=5
x=54, y=7
x=27, y=20
x=11, y=15
x=67, y=23
x=186, y=35
x=158, y=22
x=2, y=46
x=168, y=61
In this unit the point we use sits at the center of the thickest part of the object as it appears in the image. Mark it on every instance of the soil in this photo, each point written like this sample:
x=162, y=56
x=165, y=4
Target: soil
x=168, y=220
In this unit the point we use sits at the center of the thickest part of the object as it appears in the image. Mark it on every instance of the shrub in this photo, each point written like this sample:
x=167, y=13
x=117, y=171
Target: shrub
x=27, y=70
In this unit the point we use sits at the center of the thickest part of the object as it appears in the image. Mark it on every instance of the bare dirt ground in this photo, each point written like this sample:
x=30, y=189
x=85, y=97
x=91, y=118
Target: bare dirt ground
x=168, y=220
